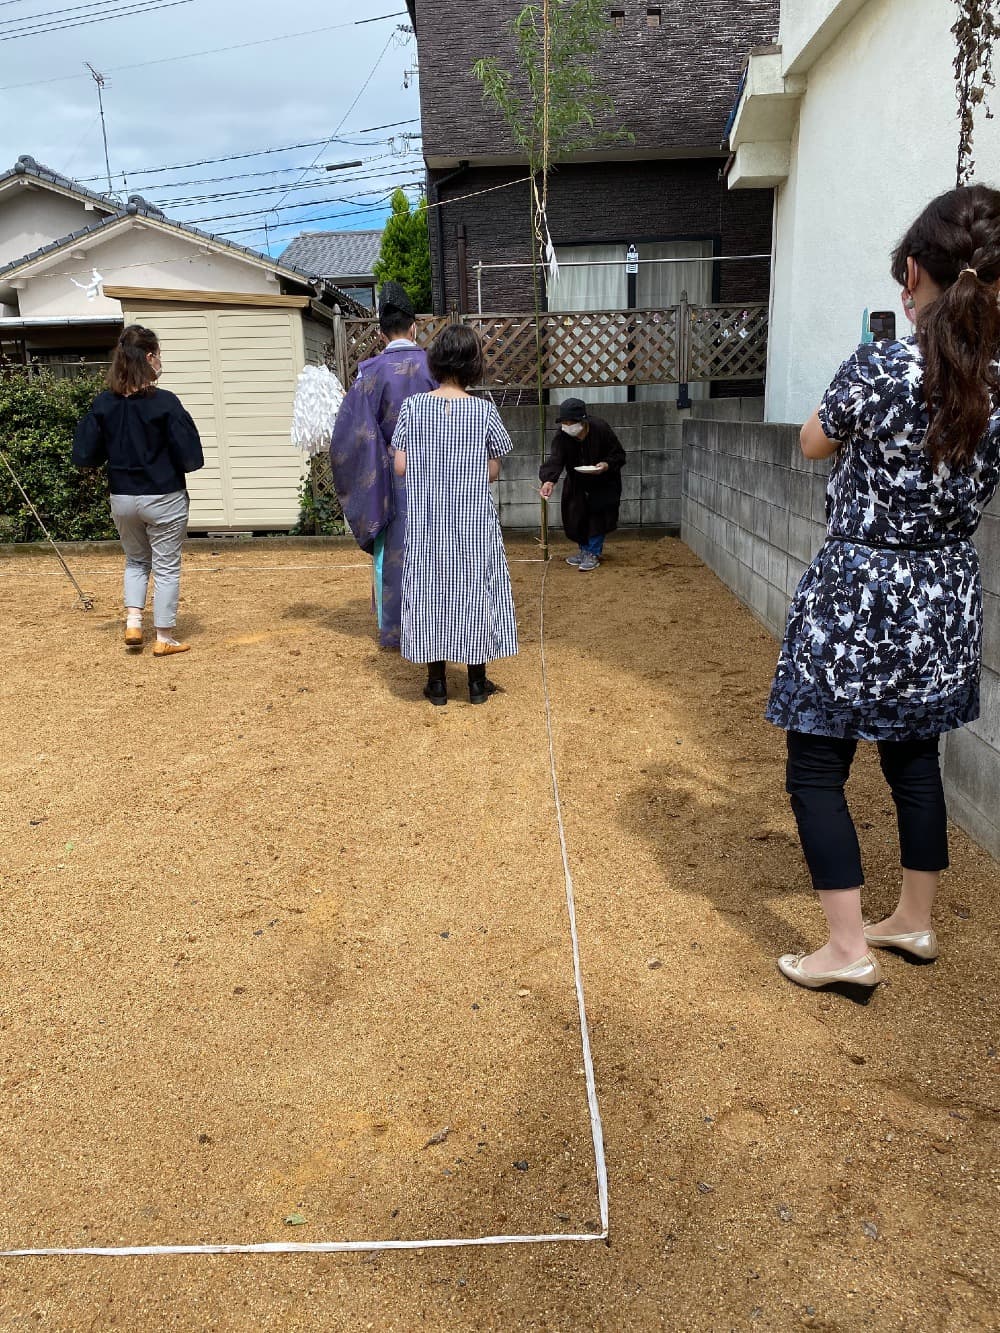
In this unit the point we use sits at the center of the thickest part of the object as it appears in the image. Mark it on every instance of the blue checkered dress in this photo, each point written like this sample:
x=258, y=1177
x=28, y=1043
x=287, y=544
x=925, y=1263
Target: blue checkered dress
x=456, y=598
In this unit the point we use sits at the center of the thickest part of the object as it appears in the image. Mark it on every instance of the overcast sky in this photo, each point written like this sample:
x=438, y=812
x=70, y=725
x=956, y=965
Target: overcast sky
x=166, y=111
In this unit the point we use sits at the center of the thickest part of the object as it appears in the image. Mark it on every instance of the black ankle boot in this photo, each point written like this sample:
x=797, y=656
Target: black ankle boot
x=436, y=688
x=480, y=688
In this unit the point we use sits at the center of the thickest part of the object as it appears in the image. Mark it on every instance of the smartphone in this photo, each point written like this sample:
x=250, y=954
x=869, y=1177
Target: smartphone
x=883, y=325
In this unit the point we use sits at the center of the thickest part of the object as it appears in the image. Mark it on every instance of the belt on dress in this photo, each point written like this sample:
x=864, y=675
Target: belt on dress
x=876, y=546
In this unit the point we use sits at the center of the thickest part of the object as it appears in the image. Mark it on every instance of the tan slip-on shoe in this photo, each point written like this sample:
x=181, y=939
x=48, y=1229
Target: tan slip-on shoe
x=133, y=637
x=161, y=649
x=920, y=946
x=857, y=981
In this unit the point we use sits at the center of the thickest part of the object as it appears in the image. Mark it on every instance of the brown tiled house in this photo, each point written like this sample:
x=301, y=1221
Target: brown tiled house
x=673, y=70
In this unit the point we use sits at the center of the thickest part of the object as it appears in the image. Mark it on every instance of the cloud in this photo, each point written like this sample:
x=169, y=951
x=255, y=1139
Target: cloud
x=211, y=106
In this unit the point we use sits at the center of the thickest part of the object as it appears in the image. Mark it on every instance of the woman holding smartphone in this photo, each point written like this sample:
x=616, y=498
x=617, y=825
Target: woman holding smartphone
x=884, y=635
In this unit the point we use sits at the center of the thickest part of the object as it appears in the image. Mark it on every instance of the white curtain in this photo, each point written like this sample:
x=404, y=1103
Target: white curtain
x=660, y=285
x=601, y=287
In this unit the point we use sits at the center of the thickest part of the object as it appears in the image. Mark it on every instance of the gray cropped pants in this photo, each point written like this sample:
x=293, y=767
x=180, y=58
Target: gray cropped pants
x=152, y=529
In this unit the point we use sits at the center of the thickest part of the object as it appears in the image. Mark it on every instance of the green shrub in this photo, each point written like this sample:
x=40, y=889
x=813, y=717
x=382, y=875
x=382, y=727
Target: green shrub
x=38, y=416
x=320, y=514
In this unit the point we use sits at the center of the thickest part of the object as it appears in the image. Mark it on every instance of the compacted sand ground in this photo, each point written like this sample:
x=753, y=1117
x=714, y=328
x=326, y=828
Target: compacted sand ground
x=284, y=956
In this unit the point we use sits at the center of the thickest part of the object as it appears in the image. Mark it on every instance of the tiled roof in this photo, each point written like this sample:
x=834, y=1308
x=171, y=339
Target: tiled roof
x=139, y=207
x=28, y=166
x=335, y=254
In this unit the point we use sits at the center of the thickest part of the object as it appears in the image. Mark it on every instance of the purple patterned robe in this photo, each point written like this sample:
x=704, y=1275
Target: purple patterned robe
x=373, y=498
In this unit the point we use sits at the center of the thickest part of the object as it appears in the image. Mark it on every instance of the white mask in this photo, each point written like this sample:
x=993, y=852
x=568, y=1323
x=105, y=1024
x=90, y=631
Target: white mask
x=573, y=428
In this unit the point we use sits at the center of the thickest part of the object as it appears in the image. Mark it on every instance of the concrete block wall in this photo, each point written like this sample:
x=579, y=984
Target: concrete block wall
x=754, y=510
x=650, y=433
x=651, y=480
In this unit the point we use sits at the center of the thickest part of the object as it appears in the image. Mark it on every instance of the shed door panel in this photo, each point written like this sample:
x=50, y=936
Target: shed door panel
x=235, y=371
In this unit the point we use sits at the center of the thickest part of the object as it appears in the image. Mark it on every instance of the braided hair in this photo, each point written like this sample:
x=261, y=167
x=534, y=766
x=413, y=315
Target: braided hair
x=956, y=241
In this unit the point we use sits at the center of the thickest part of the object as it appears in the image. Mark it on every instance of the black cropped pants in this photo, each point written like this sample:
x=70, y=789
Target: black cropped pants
x=817, y=771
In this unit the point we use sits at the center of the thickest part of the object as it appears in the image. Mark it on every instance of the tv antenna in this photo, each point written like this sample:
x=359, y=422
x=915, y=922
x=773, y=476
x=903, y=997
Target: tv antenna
x=101, y=83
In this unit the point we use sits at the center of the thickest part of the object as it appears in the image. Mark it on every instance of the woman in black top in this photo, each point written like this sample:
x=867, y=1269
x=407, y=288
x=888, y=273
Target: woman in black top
x=149, y=443
x=590, y=498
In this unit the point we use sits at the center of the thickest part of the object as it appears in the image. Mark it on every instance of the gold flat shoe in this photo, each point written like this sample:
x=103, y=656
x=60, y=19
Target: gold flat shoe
x=920, y=945
x=133, y=637
x=161, y=649
x=857, y=981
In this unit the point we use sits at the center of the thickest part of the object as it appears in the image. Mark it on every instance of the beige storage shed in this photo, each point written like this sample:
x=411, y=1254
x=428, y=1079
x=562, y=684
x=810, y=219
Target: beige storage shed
x=233, y=359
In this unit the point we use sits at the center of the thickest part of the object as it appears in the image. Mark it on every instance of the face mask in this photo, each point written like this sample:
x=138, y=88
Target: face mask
x=573, y=428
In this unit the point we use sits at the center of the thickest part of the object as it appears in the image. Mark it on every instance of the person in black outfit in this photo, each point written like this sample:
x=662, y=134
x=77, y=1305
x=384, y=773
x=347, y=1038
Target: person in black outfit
x=149, y=443
x=590, y=499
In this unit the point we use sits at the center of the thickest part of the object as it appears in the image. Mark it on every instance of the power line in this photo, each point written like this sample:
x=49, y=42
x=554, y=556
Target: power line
x=361, y=211
x=90, y=7
x=142, y=8
x=258, y=152
x=371, y=75
x=332, y=217
x=257, y=191
x=249, y=175
x=218, y=50
x=306, y=203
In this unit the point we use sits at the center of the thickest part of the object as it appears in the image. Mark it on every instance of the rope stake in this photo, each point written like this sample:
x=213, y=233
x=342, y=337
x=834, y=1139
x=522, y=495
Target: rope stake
x=85, y=599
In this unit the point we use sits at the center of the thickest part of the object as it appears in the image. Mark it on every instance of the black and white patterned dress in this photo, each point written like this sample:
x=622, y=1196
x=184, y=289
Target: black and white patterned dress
x=457, y=604
x=884, y=634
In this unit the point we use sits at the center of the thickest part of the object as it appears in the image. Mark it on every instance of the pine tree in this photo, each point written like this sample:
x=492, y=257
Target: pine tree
x=405, y=256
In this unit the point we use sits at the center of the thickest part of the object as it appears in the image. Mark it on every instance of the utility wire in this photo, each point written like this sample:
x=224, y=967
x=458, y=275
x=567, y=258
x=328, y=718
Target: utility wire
x=215, y=51
x=251, y=175
x=331, y=217
x=143, y=8
x=257, y=152
x=256, y=191
x=306, y=203
x=91, y=8
x=361, y=91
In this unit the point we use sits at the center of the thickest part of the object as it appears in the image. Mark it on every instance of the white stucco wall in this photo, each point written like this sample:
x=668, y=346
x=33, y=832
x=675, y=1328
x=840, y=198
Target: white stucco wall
x=877, y=139
x=31, y=217
x=807, y=25
x=138, y=257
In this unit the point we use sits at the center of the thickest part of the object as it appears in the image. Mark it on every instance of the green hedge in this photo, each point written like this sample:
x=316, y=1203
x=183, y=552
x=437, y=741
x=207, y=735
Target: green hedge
x=37, y=419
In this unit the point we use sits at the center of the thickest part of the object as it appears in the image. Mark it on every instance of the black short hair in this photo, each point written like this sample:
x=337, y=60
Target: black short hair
x=394, y=323
x=456, y=354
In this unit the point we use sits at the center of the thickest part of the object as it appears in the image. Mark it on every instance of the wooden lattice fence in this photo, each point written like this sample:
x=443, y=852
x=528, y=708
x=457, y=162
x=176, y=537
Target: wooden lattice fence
x=677, y=345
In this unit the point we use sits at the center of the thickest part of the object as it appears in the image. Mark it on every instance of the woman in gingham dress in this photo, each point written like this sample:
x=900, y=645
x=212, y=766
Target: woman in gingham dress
x=456, y=598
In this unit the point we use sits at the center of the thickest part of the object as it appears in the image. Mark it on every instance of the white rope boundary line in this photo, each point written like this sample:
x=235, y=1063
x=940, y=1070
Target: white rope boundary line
x=368, y=1246
x=596, y=1127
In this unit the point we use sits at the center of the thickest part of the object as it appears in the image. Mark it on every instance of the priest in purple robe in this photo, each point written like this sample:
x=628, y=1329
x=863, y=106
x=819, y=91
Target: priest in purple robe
x=373, y=498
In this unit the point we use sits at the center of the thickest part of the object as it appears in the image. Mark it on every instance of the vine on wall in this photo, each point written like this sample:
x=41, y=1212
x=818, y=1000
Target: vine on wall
x=976, y=32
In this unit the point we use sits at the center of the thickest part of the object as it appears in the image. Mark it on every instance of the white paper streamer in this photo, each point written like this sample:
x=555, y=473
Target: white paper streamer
x=318, y=396
x=93, y=288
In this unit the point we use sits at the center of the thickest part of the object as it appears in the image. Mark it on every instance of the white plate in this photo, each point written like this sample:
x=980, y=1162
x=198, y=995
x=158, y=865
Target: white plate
x=588, y=467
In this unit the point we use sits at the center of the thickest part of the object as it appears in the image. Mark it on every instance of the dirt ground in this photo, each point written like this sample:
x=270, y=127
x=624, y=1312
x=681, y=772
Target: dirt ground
x=269, y=924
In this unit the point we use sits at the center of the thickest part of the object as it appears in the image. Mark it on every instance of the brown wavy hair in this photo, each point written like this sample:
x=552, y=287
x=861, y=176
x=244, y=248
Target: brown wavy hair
x=959, y=332
x=130, y=373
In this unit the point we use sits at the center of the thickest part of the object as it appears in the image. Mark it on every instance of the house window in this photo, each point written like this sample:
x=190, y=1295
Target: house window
x=363, y=295
x=653, y=17
x=618, y=18
x=593, y=277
